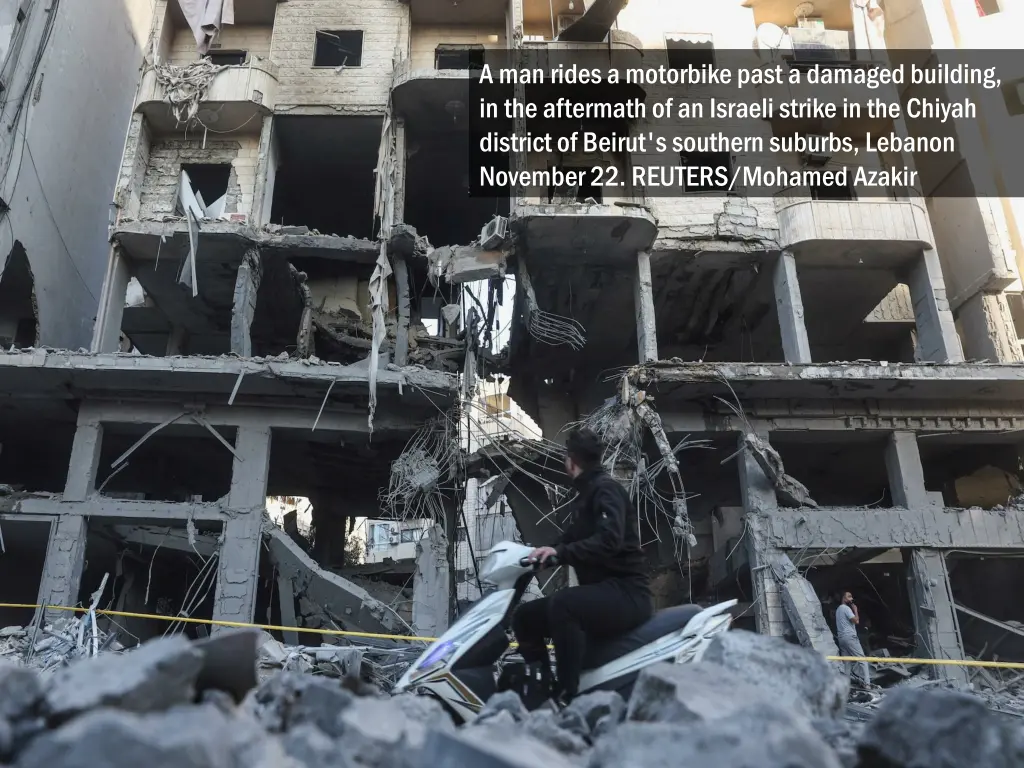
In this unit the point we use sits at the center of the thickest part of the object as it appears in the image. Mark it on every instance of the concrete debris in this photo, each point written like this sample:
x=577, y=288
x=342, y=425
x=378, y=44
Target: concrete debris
x=340, y=602
x=158, y=675
x=802, y=606
x=762, y=703
x=53, y=645
x=465, y=264
x=939, y=729
x=799, y=679
x=789, y=491
x=759, y=737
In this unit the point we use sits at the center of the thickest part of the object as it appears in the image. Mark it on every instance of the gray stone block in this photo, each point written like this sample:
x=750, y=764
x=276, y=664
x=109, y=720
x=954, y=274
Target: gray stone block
x=798, y=678
x=20, y=691
x=753, y=738
x=154, y=677
x=919, y=728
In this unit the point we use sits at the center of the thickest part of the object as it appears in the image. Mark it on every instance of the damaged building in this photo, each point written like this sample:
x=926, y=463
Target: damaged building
x=782, y=382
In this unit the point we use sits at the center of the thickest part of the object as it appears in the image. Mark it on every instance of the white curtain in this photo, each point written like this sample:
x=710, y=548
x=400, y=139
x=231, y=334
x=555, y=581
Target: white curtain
x=206, y=17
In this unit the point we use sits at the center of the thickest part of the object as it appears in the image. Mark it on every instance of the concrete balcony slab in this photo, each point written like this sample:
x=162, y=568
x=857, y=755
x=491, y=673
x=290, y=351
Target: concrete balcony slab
x=237, y=99
x=875, y=233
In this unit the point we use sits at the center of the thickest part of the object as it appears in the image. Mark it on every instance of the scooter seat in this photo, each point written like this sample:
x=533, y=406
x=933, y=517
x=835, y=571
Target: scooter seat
x=662, y=623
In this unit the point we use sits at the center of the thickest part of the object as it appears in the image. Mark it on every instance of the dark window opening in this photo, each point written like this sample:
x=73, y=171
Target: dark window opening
x=21, y=567
x=833, y=191
x=712, y=171
x=209, y=179
x=437, y=200
x=325, y=176
x=228, y=58
x=179, y=463
x=683, y=54
x=459, y=57
x=588, y=189
x=338, y=48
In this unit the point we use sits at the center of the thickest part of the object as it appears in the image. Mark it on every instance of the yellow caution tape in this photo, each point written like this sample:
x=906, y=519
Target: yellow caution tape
x=408, y=638
x=189, y=620
x=938, y=662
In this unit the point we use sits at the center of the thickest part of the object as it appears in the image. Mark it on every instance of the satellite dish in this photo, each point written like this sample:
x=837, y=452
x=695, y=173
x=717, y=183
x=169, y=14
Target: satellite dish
x=770, y=37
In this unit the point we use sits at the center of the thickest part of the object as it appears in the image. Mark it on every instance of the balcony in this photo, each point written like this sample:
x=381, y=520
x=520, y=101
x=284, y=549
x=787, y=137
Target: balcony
x=237, y=98
x=827, y=49
x=430, y=94
x=875, y=233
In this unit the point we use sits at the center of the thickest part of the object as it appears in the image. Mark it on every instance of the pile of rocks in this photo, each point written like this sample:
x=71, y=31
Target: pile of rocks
x=754, y=701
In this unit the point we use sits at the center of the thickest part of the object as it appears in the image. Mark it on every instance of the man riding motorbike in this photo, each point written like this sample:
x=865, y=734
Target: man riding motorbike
x=602, y=543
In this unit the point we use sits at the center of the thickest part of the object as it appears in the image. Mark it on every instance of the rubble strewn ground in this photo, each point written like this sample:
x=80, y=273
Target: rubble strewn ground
x=760, y=702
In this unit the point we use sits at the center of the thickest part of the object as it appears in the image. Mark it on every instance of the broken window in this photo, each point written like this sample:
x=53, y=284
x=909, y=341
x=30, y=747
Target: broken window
x=227, y=58
x=690, y=51
x=338, y=48
x=411, y=535
x=713, y=171
x=838, y=470
x=459, y=57
x=210, y=180
x=578, y=194
x=21, y=567
x=832, y=191
x=972, y=470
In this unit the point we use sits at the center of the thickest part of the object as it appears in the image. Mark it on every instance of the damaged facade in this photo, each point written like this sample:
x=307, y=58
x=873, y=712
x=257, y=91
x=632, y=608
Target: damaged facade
x=284, y=313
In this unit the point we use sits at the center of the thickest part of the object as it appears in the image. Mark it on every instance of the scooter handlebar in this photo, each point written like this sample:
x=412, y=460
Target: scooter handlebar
x=550, y=562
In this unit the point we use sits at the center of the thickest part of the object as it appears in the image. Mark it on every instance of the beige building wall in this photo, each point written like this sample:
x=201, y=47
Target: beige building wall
x=979, y=239
x=352, y=90
x=254, y=39
x=425, y=39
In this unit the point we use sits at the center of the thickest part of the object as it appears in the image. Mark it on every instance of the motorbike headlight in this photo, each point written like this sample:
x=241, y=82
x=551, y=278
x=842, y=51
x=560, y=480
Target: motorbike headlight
x=437, y=658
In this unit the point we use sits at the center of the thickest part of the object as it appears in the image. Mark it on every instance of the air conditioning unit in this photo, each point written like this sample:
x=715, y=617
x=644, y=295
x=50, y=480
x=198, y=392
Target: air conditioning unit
x=493, y=234
x=816, y=159
x=566, y=20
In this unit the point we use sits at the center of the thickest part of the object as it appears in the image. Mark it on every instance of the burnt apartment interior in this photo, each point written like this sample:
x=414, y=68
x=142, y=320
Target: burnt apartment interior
x=325, y=175
x=168, y=568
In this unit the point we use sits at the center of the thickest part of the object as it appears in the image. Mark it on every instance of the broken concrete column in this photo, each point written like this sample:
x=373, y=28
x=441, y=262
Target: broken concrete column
x=337, y=599
x=65, y=557
x=247, y=285
x=238, y=565
x=106, y=333
x=643, y=303
x=906, y=475
x=85, y=461
x=758, y=496
x=802, y=607
x=286, y=600
x=935, y=622
x=430, y=590
x=989, y=332
x=790, y=306
x=404, y=311
x=937, y=340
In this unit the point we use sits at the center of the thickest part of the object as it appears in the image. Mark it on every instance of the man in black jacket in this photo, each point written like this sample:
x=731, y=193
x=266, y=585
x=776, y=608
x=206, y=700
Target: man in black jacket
x=602, y=543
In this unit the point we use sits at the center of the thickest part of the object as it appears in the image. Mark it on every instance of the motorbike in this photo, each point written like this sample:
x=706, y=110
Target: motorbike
x=464, y=667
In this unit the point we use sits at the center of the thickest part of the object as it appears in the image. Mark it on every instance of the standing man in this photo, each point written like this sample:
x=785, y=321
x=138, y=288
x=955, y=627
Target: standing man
x=847, y=619
x=602, y=543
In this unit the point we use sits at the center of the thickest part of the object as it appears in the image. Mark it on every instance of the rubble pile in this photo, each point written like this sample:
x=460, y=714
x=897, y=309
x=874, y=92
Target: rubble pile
x=760, y=702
